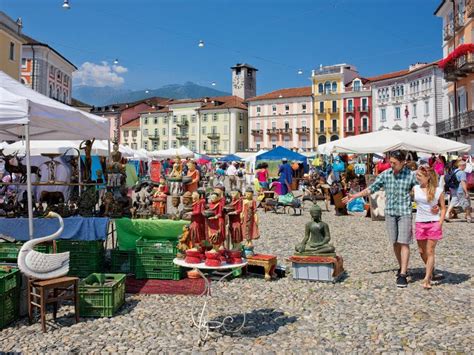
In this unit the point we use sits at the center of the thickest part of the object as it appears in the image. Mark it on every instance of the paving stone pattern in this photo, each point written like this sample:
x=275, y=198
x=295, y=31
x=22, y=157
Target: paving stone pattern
x=363, y=313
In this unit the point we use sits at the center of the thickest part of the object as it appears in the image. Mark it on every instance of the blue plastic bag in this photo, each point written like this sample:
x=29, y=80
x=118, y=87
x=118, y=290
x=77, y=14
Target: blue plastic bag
x=356, y=205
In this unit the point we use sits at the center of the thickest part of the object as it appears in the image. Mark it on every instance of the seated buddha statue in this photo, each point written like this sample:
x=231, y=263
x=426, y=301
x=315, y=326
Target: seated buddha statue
x=317, y=236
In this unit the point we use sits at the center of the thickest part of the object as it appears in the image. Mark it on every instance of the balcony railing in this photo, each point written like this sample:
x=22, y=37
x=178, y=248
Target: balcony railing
x=272, y=131
x=363, y=108
x=257, y=132
x=214, y=136
x=349, y=129
x=469, y=8
x=184, y=123
x=332, y=130
x=363, y=129
x=303, y=131
x=454, y=125
x=448, y=31
x=458, y=21
x=459, y=68
x=286, y=131
x=182, y=137
x=154, y=137
x=332, y=110
x=349, y=109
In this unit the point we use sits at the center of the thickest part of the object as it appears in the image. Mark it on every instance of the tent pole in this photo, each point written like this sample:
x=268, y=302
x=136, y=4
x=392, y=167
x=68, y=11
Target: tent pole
x=28, y=182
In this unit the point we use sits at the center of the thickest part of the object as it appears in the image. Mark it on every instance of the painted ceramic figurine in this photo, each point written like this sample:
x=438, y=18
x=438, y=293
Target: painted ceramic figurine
x=216, y=223
x=87, y=146
x=235, y=224
x=249, y=218
x=197, y=228
x=317, y=236
x=193, y=173
x=159, y=201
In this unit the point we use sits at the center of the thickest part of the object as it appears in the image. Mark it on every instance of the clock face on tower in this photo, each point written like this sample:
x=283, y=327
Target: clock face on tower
x=238, y=82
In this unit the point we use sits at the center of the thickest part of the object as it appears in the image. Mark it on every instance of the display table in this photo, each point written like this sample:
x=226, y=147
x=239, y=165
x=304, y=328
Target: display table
x=75, y=228
x=203, y=323
x=129, y=230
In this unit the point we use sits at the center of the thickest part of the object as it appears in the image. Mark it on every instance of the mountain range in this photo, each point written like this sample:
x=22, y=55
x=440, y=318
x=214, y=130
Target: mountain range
x=101, y=96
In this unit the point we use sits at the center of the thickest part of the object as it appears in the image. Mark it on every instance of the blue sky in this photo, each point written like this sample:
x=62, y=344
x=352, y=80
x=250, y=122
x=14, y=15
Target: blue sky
x=156, y=40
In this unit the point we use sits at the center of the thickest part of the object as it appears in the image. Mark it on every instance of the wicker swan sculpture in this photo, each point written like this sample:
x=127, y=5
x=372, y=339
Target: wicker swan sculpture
x=43, y=266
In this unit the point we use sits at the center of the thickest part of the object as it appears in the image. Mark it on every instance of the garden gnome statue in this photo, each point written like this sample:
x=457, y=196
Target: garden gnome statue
x=317, y=236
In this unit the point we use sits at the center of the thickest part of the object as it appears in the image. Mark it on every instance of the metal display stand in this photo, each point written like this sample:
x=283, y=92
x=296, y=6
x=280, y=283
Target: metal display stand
x=200, y=318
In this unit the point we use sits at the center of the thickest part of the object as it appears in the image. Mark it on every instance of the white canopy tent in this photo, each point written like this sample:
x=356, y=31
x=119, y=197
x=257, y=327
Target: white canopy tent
x=389, y=140
x=29, y=114
x=182, y=152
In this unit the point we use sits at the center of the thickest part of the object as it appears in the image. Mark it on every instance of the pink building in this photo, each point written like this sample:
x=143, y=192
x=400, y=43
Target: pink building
x=282, y=118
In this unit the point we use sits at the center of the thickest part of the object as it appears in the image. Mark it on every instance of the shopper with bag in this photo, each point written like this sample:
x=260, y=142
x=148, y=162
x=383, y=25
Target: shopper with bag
x=457, y=184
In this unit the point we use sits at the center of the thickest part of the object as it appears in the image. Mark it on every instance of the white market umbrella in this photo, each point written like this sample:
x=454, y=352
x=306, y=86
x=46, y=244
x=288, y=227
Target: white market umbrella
x=389, y=140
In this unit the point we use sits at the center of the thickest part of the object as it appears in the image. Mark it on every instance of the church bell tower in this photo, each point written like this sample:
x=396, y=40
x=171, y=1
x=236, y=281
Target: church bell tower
x=244, y=81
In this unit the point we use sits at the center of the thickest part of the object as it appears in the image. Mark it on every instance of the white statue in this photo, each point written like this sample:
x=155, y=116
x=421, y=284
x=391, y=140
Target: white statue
x=43, y=266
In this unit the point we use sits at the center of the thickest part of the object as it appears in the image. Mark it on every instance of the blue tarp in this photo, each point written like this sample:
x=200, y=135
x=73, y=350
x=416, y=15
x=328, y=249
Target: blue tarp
x=279, y=153
x=75, y=228
x=230, y=157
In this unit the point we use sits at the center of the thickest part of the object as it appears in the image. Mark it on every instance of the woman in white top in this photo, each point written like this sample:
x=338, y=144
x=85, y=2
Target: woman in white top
x=428, y=227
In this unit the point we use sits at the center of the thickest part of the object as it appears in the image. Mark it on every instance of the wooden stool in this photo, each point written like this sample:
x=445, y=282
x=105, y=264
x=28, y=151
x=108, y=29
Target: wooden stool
x=43, y=292
x=268, y=262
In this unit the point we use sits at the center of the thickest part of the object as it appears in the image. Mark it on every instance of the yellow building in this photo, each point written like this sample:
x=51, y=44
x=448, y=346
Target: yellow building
x=328, y=84
x=216, y=125
x=10, y=46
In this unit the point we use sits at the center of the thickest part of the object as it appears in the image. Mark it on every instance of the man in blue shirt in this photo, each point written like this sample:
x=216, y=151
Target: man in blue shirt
x=460, y=195
x=286, y=176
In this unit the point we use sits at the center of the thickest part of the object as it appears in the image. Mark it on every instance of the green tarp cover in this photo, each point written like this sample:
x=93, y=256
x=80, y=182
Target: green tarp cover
x=129, y=230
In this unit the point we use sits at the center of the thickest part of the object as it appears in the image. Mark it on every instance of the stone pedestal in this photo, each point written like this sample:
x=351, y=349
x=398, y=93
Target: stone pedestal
x=317, y=268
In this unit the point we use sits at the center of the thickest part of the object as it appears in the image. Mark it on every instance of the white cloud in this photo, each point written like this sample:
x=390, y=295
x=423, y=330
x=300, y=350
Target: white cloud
x=103, y=74
x=119, y=69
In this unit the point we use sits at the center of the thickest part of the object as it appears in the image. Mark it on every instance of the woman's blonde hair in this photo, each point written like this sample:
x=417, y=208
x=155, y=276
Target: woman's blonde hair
x=432, y=181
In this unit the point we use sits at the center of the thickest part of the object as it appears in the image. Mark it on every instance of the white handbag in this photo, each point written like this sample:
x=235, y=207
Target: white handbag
x=469, y=166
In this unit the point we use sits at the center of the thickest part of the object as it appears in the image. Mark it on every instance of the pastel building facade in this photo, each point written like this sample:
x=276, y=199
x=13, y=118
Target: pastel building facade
x=357, y=107
x=282, y=118
x=130, y=134
x=328, y=85
x=46, y=71
x=11, y=41
x=215, y=125
x=457, y=43
x=409, y=100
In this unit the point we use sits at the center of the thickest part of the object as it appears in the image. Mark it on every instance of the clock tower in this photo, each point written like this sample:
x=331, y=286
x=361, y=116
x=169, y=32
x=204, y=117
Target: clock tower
x=244, y=81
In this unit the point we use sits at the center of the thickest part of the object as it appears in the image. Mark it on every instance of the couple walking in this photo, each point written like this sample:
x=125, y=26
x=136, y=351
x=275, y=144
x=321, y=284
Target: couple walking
x=400, y=183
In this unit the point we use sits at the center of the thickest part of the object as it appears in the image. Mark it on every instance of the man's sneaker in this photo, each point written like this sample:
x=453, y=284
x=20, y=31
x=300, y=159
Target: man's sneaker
x=402, y=281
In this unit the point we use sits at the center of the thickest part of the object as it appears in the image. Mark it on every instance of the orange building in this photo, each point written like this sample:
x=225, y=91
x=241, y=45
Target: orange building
x=458, y=67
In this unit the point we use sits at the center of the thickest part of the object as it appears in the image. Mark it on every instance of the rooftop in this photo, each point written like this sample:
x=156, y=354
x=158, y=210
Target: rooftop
x=284, y=93
x=135, y=123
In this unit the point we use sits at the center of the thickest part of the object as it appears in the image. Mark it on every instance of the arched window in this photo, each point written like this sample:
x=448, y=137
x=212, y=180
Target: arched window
x=365, y=124
x=322, y=140
x=334, y=138
x=327, y=87
x=23, y=81
x=65, y=96
x=57, y=94
x=334, y=86
x=320, y=88
x=50, y=90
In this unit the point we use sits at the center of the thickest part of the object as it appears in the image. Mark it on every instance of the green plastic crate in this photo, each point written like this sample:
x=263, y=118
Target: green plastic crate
x=155, y=260
x=101, y=295
x=80, y=246
x=122, y=261
x=9, y=280
x=83, y=265
x=160, y=273
x=9, y=251
x=145, y=246
x=9, y=306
